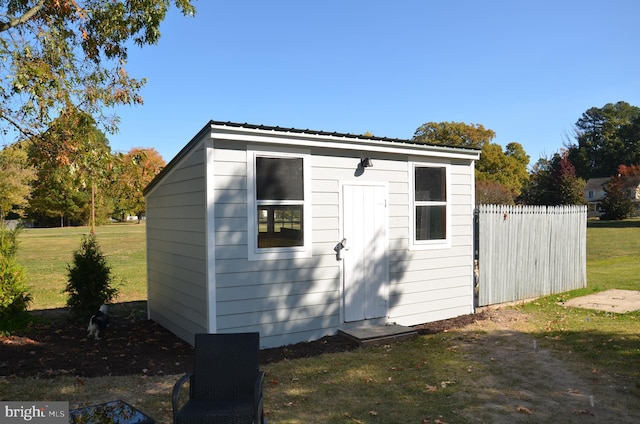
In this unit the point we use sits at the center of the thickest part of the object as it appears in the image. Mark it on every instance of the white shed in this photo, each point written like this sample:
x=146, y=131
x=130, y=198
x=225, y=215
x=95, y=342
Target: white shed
x=244, y=226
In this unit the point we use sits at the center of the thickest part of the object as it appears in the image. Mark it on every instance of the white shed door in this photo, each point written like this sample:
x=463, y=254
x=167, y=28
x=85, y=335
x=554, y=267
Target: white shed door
x=365, y=263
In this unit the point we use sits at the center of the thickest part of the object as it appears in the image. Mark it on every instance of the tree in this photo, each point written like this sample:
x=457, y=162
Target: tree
x=14, y=295
x=629, y=171
x=90, y=282
x=493, y=193
x=66, y=54
x=73, y=160
x=499, y=171
x=135, y=170
x=453, y=134
x=508, y=168
x=15, y=176
x=617, y=204
x=15, y=179
x=606, y=138
x=554, y=182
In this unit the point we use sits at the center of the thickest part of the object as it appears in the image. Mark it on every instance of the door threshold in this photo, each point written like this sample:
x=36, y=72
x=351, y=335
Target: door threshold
x=376, y=335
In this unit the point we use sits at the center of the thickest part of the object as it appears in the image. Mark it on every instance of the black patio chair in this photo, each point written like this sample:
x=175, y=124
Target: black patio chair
x=225, y=385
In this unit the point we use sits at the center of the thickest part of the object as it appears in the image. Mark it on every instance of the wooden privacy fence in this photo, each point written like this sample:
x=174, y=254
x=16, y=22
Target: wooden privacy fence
x=525, y=252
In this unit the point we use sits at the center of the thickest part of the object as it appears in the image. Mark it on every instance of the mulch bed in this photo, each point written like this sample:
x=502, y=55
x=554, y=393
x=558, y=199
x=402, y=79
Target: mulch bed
x=134, y=345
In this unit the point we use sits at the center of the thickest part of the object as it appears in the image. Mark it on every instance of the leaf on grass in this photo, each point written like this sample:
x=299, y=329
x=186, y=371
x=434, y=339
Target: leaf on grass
x=573, y=391
x=348, y=415
x=431, y=388
x=524, y=410
x=373, y=413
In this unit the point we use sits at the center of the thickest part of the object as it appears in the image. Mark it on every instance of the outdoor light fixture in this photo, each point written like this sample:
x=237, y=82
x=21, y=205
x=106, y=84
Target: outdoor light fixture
x=366, y=163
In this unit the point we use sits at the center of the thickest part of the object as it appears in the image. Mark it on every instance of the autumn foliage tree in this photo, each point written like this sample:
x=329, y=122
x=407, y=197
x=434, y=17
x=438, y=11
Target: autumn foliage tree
x=134, y=170
x=73, y=160
x=617, y=203
x=453, y=134
x=506, y=168
x=72, y=54
x=500, y=175
x=554, y=182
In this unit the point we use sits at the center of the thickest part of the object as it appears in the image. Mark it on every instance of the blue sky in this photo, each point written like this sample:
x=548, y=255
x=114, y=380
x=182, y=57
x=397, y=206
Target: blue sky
x=525, y=69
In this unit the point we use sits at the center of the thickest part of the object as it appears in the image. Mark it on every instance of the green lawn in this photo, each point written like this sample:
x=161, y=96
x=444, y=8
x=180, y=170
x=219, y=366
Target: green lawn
x=46, y=253
x=613, y=255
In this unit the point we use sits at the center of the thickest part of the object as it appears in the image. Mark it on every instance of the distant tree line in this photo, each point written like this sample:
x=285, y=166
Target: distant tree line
x=606, y=144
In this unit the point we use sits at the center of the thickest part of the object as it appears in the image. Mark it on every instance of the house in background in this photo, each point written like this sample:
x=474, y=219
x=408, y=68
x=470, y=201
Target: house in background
x=299, y=233
x=594, y=193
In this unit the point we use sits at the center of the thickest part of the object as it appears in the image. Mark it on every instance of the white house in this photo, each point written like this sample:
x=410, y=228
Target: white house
x=593, y=194
x=245, y=230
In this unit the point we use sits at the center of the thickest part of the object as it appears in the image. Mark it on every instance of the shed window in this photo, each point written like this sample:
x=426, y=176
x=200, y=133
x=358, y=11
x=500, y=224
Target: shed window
x=278, y=191
x=431, y=214
x=280, y=202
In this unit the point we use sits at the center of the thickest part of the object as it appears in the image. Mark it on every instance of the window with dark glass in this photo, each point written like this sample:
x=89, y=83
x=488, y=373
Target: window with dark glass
x=430, y=199
x=280, y=201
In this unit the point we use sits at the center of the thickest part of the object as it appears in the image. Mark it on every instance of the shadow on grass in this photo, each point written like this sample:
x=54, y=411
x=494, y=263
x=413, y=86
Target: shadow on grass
x=119, y=309
x=625, y=223
x=617, y=353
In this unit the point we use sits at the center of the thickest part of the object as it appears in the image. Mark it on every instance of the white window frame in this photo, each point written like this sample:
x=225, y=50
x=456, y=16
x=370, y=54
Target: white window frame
x=272, y=253
x=429, y=244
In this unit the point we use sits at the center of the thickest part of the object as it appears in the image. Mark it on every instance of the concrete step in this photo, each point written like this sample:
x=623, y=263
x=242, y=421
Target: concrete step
x=375, y=335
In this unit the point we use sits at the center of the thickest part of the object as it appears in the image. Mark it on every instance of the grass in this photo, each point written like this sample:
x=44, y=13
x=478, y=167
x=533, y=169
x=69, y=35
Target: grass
x=46, y=253
x=405, y=383
x=424, y=379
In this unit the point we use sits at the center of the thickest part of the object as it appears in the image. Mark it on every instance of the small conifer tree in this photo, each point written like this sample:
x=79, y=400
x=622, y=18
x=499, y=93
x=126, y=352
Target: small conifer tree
x=14, y=297
x=90, y=282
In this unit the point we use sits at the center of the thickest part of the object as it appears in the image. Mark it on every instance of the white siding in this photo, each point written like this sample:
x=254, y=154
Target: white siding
x=176, y=248
x=285, y=300
x=300, y=299
x=435, y=284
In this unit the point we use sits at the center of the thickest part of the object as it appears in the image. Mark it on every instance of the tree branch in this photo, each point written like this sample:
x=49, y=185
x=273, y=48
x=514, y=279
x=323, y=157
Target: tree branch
x=4, y=26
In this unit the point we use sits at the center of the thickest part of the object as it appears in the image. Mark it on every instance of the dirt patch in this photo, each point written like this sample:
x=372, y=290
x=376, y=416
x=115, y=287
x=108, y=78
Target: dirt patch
x=522, y=379
x=57, y=345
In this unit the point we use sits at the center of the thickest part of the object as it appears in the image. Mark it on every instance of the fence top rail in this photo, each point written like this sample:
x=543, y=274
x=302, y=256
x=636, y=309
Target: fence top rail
x=532, y=209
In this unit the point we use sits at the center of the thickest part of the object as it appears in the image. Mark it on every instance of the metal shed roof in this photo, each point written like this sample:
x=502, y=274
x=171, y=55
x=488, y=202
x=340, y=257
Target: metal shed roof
x=297, y=131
